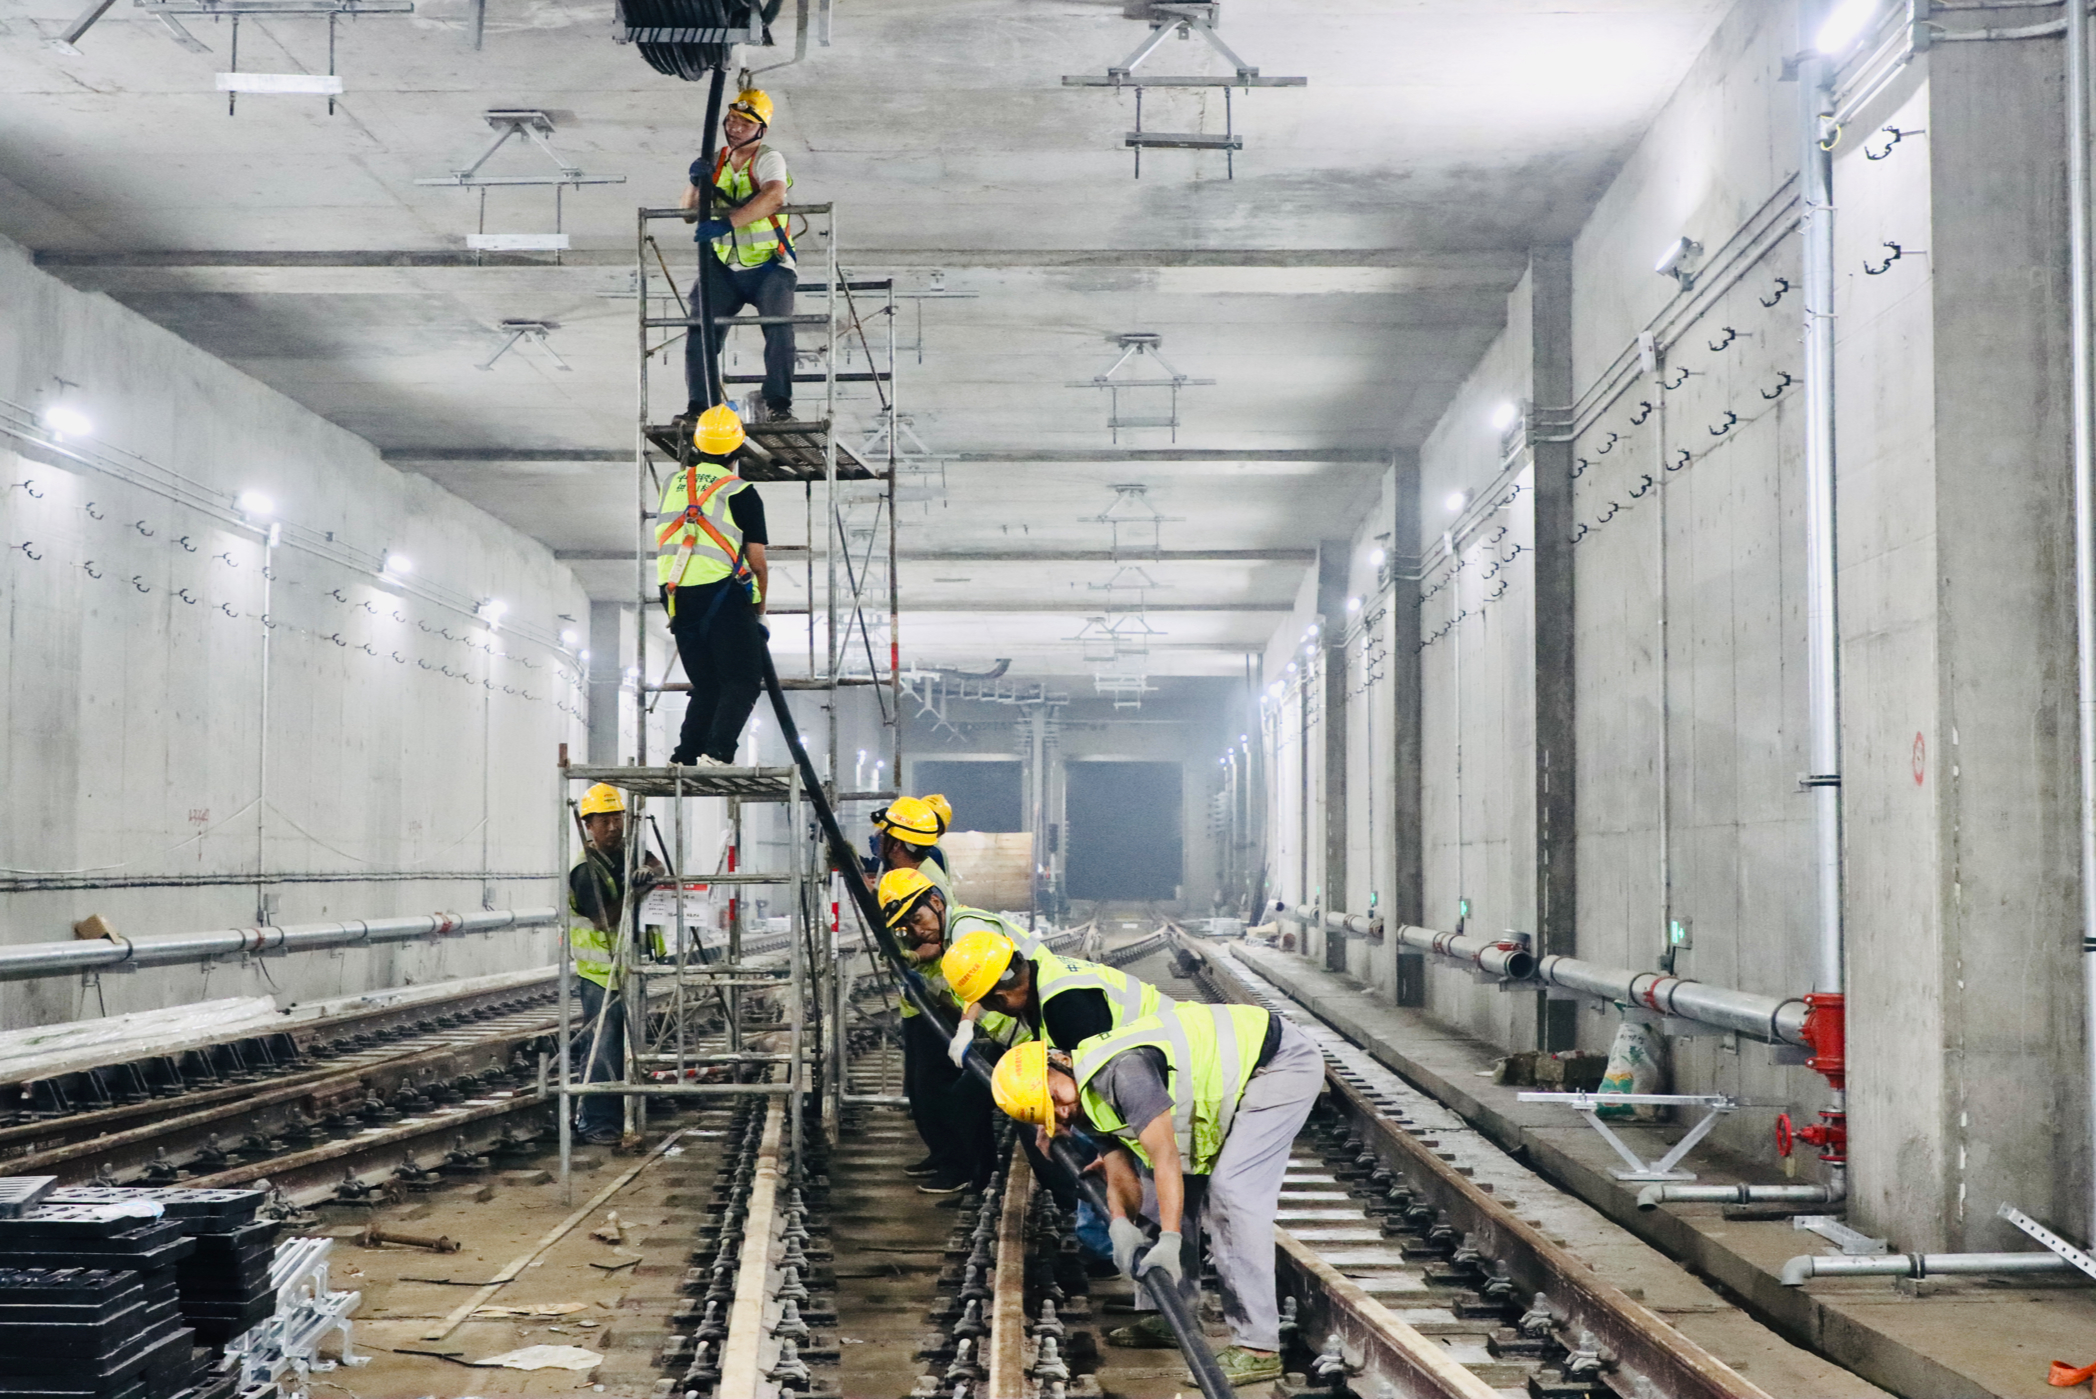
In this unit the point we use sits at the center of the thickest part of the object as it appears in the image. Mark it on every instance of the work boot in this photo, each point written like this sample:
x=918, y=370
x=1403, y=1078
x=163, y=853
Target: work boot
x=776, y=411
x=1242, y=1367
x=600, y=1136
x=943, y=1185
x=707, y=760
x=1153, y=1332
x=929, y=1166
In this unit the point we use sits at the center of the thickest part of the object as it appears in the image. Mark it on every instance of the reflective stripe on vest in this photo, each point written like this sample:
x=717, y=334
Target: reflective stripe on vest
x=1210, y=1055
x=753, y=244
x=589, y=945
x=1127, y=998
x=689, y=511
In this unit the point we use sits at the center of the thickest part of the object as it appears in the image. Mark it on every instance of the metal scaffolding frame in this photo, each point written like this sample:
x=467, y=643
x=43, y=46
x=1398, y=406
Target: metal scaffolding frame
x=701, y=1020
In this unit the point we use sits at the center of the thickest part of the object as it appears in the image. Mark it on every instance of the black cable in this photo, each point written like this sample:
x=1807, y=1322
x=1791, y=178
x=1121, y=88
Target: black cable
x=701, y=308
x=1192, y=1343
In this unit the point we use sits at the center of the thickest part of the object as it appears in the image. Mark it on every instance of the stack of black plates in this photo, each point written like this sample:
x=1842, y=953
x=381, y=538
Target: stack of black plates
x=224, y=1283
x=92, y=1333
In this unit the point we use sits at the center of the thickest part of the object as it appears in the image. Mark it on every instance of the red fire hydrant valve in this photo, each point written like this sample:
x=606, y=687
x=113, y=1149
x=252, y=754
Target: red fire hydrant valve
x=1830, y=1134
x=1826, y=1035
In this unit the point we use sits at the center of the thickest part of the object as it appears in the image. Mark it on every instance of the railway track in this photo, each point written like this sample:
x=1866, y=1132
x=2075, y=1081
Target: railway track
x=1405, y=1273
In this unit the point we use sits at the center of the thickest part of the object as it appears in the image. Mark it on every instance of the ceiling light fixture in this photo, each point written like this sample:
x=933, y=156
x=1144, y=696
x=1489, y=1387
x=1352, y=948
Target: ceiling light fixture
x=1376, y=558
x=1353, y=604
x=1457, y=500
x=1504, y=416
x=1675, y=261
x=256, y=505
x=569, y=636
x=67, y=422
x=1844, y=25
x=398, y=565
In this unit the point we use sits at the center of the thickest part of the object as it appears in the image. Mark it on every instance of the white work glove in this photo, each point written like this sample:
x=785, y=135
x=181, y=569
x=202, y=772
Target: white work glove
x=1164, y=1258
x=957, y=1047
x=1127, y=1237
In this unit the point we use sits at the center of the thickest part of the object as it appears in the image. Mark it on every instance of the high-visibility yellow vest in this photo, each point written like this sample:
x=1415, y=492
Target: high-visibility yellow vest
x=588, y=944
x=1210, y=1053
x=1127, y=998
x=753, y=244
x=696, y=538
x=961, y=919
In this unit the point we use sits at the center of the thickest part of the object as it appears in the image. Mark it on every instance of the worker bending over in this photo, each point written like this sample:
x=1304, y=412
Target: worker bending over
x=1065, y=1000
x=1203, y=1103
x=710, y=539
x=950, y=1107
x=596, y=910
x=746, y=257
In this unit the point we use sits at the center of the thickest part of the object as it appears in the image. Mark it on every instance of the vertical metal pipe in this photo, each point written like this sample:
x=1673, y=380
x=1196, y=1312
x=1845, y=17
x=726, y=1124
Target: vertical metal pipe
x=1823, y=681
x=565, y=1104
x=2084, y=440
x=1666, y=736
x=797, y=925
x=262, y=911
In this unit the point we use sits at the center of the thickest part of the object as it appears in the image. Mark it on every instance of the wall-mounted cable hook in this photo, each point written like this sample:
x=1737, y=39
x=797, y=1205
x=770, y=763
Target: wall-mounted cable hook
x=1678, y=382
x=90, y=567
x=1726, y=426
x=140, y=526
x=187, y=547
x=1777, y=392
x=1579, y=467
x=1886, y=266
x=1605, y=448
x=1782, y=290
x=1580, y=533
x=28, y=488
x=25, y=547
x=226, y=559
x=184, y=594
x=228, y=610
x=1645, y=410
x=92, y=513
x=136, y=583
x=1730, y=336
x=1897, y=136
x=1681, y=461
x=1644, y=486
x=1614, y=510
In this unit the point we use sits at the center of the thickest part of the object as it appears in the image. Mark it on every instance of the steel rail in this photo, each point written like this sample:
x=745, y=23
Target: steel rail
x=1642, y=1343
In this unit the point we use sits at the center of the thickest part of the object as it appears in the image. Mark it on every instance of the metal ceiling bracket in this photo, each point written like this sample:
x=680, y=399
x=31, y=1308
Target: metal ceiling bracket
x=1589, y=1105
x=2048, y=1238
x=537, y=330
x=1135, y=346
x=535, y=127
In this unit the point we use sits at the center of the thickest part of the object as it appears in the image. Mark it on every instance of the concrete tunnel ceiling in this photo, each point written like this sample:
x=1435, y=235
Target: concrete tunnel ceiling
x=1337, y=289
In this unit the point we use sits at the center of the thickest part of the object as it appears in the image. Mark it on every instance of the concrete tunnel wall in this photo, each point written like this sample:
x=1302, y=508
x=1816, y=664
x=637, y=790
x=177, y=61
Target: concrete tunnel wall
x=411, y=752
x=1967, y=1083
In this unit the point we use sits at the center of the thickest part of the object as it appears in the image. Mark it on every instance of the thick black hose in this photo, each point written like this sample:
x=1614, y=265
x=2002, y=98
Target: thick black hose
x=700, y=310
x=1192, y=1344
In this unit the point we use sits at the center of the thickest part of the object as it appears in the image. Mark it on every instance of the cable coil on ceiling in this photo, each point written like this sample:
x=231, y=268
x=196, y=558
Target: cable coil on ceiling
x=690, y=39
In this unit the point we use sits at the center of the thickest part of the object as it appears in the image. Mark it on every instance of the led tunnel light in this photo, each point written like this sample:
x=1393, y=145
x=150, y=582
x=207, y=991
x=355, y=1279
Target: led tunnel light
x=1376, y=558
x=67, y=422
x=1504, y=415
x=399, y=565
x=570, y=636
x=1457, y=500
x=1353, y=604
x=1844, y=26
x=256, y=505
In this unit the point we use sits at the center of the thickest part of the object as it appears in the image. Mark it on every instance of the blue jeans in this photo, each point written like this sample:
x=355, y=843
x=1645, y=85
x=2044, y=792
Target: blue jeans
x=601, y=1109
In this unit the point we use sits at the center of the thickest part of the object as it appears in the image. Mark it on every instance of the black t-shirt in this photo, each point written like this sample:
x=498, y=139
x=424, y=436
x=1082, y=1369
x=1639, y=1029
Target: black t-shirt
x=746, y=509
x=1073, y=1016
x=589, y=880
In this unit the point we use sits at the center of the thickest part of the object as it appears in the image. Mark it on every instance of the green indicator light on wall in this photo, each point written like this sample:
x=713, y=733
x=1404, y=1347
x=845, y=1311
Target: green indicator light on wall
x=1679, y=933
x=1462, y=908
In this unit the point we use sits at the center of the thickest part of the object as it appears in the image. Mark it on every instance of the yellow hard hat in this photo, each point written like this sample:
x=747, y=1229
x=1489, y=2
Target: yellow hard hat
x=900, y=892
x=754, y=103
x=913, y=821
x=1020, y=1085
x=941, y=807
x=976, y=964
x=719, y=431
x=600, y=798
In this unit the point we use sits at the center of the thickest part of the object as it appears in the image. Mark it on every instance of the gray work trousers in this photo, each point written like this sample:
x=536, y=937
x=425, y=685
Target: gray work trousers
x=1235, y=1204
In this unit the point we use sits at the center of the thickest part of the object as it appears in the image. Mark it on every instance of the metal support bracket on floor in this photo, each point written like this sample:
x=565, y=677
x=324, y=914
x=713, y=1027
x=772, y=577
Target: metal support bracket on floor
x=2047, y=1237
x=1853, y=1242
x=1589, y=1105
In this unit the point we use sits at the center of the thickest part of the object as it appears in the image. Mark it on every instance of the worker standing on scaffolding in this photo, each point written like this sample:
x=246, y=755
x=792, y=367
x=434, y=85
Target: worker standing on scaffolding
x=710, y=537
x=750, y=262
x=950, y=1107
x=596, y=908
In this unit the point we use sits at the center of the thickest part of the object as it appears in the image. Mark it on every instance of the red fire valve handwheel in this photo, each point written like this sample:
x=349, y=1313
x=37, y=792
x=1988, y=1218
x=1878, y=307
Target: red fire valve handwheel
x=1785, y=1138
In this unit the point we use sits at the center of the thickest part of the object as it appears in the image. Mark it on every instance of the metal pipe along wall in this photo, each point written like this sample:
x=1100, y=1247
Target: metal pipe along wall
x=29, y=961
x=2083, y=326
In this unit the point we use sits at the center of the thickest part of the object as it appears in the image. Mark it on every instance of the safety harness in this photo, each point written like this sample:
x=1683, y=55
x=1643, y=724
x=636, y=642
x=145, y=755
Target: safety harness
x=691, y=522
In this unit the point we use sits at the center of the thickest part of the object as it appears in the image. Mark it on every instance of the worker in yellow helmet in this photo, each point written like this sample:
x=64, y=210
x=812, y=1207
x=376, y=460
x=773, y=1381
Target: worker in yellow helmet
x=910, y=830
x=1201, y=1104
x=596, y=910
x=710, y=541
x=1064, y=1000
x=950, y=1108
x=745, y=253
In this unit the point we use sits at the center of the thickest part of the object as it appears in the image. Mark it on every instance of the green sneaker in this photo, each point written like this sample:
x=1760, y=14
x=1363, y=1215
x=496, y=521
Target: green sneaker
x=1242, y=1367
x=1153, y=1332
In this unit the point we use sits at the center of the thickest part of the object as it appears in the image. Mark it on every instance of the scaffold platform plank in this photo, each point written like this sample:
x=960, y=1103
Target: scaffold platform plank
x=750, y=784
x=781, y=451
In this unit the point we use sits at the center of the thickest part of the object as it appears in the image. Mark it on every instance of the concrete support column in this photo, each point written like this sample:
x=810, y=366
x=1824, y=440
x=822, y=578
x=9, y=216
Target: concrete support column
x=1333, y=558
x=1550, y=446
x=610, y=639
x=1407, y=902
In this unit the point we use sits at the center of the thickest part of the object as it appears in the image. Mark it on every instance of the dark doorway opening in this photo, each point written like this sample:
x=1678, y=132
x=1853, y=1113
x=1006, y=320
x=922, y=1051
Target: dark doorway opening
x=1124, y=830
x=985, y=796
